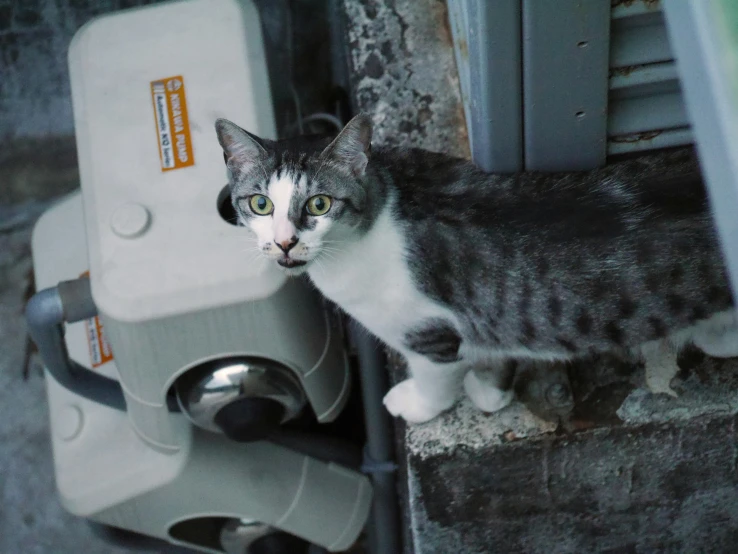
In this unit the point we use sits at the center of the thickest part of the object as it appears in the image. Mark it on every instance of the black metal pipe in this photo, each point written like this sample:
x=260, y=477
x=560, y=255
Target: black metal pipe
x=320, y=447
x=384, y=529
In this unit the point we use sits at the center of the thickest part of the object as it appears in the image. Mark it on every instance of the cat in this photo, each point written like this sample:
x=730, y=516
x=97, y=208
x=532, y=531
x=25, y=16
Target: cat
x=459, y=270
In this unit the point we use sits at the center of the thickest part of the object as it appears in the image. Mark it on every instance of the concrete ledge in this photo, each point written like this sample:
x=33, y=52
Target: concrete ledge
x=655, y=488
x=627, y=471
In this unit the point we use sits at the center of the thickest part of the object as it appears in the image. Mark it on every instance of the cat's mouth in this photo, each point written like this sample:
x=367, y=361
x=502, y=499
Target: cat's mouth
x=290, y=262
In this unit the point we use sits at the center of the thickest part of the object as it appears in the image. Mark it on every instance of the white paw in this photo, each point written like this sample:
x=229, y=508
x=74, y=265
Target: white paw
x=718, y=346
x=660, y=365
x=659, y=376
x=486, y=397
x=406, y=401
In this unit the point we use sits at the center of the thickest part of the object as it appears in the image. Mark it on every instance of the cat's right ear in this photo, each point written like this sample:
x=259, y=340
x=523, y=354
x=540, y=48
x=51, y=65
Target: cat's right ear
x=350, y=150
x=241, y=149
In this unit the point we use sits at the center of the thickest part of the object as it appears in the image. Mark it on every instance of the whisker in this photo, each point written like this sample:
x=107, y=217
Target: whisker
x=329, y=251
x=253, y=258
x=320, y=265
x=254, y=251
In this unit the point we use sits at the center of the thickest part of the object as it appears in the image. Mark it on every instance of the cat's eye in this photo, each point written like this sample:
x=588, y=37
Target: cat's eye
x=261, y=205
x=319, y=205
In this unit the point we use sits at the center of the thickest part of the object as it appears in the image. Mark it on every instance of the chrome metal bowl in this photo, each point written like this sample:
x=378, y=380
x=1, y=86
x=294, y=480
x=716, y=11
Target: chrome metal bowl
x=243, y=397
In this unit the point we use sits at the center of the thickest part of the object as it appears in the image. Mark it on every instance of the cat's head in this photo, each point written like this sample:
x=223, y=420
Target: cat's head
x=302, y=198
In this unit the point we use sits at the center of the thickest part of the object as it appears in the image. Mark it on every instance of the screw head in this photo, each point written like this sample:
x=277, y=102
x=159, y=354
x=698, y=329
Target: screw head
x=69, y=422
x=130, y=220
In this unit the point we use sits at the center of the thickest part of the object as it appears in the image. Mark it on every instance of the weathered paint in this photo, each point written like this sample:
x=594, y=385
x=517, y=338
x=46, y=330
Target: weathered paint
x=404, y=73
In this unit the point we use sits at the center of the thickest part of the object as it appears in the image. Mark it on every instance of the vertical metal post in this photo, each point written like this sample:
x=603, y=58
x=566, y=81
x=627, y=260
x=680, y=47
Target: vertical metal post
x=704, y=37
x=488, y=57
x=565, y=83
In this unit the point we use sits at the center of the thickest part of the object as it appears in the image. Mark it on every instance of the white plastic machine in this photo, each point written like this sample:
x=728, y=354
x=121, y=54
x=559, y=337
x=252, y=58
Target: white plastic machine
x=156, y=422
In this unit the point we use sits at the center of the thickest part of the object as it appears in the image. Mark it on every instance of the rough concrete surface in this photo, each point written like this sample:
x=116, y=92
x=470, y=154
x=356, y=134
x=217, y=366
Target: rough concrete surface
x=35, y=99
x=626, y=471
x=651, y=489
x=403, y=73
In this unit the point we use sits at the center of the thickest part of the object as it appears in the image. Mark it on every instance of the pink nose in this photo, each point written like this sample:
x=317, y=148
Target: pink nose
x=287, y=245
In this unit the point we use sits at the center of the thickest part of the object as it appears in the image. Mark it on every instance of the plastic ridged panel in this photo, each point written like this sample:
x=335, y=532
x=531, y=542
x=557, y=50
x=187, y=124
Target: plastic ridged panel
x=488, y=56
x=646, y=108
x=562, y=85
x=565, y=52
x=705, y=39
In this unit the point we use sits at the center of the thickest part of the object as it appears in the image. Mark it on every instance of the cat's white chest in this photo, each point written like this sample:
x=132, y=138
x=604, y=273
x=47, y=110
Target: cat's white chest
x=372, y=283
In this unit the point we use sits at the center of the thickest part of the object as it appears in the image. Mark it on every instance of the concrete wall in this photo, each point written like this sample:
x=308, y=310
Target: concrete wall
x=403, y=73
x=34, y=82
x=35, y=97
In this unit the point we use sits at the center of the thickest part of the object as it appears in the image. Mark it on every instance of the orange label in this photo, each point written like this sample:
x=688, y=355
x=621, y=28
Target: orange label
x=172, y=123
x=100, y=352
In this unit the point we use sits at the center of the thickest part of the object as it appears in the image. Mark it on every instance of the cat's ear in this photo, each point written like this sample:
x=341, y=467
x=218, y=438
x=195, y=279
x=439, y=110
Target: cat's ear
x=241, y=149
x=350, y=150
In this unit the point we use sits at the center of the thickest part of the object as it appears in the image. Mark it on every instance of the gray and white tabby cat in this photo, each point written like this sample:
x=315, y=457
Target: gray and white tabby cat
x=459, y=270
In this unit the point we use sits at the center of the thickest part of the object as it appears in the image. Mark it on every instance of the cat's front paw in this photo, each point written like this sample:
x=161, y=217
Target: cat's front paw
x=659, y=376
x=660, y=361
x=485, y=396
x=406, y=401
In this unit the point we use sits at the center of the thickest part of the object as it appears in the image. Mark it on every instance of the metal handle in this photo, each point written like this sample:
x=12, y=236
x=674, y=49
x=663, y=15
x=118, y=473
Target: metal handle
x=46, y=313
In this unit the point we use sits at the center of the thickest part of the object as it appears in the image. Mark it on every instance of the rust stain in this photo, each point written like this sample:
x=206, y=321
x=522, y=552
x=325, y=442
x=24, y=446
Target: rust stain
x=509, y=436
x=462, y=130
x=440, y=13
x=637, y=137
x=623, y=71
x=575, y=425
x=649, y=4
x=464, y=49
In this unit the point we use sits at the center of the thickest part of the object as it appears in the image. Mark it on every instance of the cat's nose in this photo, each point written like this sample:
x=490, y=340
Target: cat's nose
x=286, y=245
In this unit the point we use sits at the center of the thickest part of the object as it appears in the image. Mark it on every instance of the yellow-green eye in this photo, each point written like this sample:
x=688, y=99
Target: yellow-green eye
x=261, y=205
x=319, y=205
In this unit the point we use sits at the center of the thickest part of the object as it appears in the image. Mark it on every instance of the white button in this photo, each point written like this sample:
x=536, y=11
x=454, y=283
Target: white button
x=68, y=422
x=130, y=220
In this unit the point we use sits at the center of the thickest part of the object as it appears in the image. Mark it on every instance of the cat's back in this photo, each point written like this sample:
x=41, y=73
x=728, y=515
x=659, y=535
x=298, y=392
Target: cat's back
x=436, y=189
x=587, y=260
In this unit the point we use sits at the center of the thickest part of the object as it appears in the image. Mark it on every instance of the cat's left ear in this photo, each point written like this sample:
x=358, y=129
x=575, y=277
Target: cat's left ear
x=350, y=150
x=240, y=148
